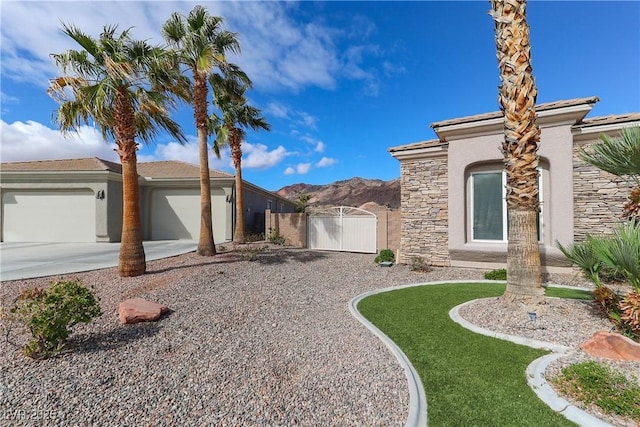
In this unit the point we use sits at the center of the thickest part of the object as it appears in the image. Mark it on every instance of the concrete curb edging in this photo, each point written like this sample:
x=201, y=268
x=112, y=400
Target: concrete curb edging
x=535, y=370
x=417, y=416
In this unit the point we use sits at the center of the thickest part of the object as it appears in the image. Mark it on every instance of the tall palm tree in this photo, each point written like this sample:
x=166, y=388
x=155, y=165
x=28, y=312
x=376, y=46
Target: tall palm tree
x=236, y=116
x=620, y=156
x=201, y=45
x=124, y=88
x=517, y=98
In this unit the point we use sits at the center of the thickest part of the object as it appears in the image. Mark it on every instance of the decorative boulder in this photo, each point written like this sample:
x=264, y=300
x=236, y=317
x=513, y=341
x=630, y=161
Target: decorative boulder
x=137, y=310
x=612, y=346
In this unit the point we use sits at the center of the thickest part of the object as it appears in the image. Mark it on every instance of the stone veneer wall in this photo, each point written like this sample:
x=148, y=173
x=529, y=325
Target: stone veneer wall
x=424, y=210
x=598, y=199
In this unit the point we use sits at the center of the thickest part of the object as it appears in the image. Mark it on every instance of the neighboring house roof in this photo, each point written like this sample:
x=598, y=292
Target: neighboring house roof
x=496, y=114
x=162, y=169
x=175, y=169
x=85, y=164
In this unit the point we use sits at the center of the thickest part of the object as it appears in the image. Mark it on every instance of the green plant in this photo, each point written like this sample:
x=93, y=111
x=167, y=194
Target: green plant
x=621, y=251
x=275, y=237
x=499, y=274
x=593, y=383
x=582, y=255
x=253, y=237
x=385, y=255
x=49, y=314
x=418, y=263
x=302, y=203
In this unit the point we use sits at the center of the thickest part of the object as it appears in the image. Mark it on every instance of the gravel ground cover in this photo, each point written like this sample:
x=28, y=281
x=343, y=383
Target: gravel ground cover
x=258, y=335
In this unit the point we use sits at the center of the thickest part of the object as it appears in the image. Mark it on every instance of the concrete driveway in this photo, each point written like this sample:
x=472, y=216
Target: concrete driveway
x=28, y=260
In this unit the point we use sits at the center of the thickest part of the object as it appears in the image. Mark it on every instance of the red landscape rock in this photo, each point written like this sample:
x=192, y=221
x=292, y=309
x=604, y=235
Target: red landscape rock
x=139, y=310
x=612, y=346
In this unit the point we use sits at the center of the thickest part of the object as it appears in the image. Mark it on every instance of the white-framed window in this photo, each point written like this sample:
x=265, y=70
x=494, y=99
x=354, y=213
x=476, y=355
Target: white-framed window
x=488, y=206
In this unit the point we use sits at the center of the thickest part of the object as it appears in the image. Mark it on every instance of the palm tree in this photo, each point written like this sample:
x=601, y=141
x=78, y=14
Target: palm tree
x=620, y=156
x=123, y=87
x=201, y=45
x=237, y=115
x=517, y=100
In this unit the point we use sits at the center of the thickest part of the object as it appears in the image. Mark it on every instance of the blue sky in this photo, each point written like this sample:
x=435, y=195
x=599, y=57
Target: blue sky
x=340, y=82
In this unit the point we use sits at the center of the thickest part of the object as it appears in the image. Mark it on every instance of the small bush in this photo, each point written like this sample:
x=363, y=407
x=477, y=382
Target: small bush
x=593, y=383
x=385, y=255
x=606, y=299
x=419, y=264
x=630, y=306
x=275, y=237
x=253, y=237
x=50, y=314
x=500, y=274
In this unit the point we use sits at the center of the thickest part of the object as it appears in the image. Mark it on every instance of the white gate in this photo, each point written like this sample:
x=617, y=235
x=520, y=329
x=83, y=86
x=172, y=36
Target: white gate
x=344, y=229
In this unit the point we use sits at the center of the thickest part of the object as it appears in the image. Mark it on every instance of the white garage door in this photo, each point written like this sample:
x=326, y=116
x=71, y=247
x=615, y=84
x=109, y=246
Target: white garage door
x=49, y=216
x=175, y=214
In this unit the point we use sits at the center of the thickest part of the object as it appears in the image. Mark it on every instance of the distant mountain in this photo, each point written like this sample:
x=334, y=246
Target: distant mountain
x=351, y=192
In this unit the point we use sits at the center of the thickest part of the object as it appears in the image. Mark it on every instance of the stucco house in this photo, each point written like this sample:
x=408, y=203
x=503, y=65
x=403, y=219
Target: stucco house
x=80, y=200
x=453, y=211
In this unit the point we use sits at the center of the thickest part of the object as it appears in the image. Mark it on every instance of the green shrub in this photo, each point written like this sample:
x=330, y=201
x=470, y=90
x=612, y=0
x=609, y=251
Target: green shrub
x=49, y=314
x=275, y=237
x=500, y=274
x=419, y=264
x=385, y=255
x=584, y=257
x=593, y=383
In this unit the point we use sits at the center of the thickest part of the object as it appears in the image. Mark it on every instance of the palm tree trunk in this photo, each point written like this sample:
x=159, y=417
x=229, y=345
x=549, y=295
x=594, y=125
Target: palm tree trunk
x=206, y=245
x=132, y=259
x=517, y=100
x=236, y=155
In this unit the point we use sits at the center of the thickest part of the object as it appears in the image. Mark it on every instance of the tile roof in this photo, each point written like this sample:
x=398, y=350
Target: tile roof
x=85, y=164
x=418, y=145
x=175, y=169
x=609, y=120
x=161, y=169
x=497, y=114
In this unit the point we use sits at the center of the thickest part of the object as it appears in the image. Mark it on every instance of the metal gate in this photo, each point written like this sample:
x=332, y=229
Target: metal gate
x=342, y=228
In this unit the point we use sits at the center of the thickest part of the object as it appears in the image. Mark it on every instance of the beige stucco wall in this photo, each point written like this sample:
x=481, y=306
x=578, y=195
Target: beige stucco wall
x=556, y=154
x=293, y=226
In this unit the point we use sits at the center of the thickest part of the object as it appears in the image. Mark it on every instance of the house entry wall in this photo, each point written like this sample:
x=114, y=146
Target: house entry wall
x=342, y=229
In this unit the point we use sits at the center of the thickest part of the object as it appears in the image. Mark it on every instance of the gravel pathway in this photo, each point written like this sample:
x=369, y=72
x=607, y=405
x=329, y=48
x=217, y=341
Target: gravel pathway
x=258, y=335
x=268, y=341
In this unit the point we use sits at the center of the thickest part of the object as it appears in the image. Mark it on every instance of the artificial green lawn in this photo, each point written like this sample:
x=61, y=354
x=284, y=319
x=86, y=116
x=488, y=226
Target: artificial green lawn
x=469, y=379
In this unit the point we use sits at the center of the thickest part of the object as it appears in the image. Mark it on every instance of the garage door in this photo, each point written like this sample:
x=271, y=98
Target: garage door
x=175, y=214
x=49, y=216
x=342, y=228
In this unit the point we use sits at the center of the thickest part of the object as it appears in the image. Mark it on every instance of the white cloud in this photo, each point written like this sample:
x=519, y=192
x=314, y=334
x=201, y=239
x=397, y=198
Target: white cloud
x=277, y=110
x=289, y=171
x=303, y=168
x=320, y=147
x=325, y=162
x=24, y=141
x=258, y=156
x=278, y=51
x=188, y=153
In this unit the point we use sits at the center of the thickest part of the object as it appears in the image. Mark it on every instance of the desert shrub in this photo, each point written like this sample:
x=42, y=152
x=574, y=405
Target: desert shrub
x=385, y=255
x=250, y=237
x=275, y=237
x=49, y=314
x=630, y=307
x=593, y=383
x=499, y=274
x=419, y=264
x=606, y=299
x=621, y=251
